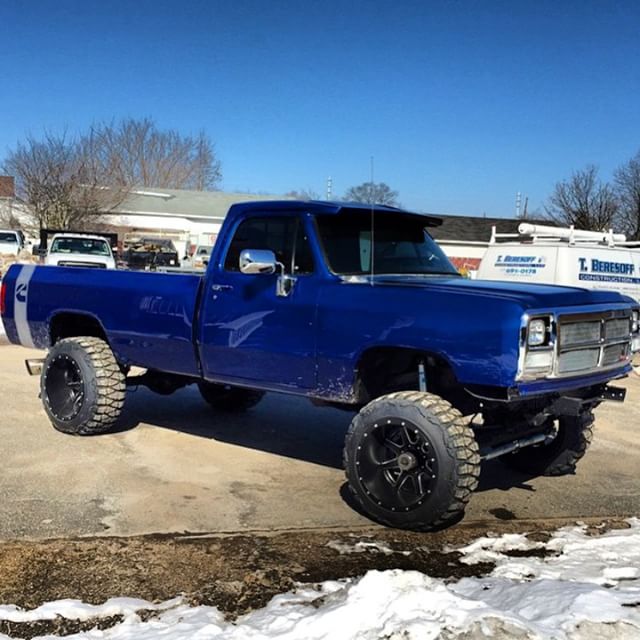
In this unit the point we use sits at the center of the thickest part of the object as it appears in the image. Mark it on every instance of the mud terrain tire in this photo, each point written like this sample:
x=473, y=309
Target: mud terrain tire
x=562, y=454
x=82, y=387
x=411, y=461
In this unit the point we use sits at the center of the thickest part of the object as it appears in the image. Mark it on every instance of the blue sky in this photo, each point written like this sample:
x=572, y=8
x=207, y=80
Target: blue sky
x=461, y=104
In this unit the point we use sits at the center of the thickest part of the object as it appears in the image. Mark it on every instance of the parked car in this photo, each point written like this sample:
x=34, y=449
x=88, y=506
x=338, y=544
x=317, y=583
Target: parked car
x=76, y=250
x=12, y=242
x=200, y=258
x=298, y=299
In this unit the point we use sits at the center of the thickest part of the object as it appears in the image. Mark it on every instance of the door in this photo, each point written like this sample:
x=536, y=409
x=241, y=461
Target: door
x=249, y=333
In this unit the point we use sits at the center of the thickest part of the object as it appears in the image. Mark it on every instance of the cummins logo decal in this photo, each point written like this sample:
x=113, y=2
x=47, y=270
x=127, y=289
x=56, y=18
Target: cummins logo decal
x=21, y=292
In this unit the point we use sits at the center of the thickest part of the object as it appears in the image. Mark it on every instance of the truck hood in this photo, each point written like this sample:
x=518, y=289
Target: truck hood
x=530, y=296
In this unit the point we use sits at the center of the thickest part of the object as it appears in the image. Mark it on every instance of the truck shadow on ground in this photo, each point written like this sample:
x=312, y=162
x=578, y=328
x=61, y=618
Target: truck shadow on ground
x=282, y=425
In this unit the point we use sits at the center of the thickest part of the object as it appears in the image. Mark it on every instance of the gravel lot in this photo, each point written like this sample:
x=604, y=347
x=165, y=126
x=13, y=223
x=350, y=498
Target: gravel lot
x=175, y=466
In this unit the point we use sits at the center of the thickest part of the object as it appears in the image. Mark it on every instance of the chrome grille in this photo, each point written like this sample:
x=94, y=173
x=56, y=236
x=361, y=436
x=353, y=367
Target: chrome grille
x=592, y=342
x=617, y=328
x=84, y=265
x=581, y=333
x=614, y=353
x=578, y=360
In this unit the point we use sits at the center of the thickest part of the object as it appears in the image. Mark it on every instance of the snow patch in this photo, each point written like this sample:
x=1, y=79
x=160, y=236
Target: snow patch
x=588, y=589
x=345, y=548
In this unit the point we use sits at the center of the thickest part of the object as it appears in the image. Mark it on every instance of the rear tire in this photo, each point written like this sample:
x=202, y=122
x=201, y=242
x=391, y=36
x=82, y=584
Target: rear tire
x=230, y=399
x=562, y=454
x=82, y=387
x=411, y=461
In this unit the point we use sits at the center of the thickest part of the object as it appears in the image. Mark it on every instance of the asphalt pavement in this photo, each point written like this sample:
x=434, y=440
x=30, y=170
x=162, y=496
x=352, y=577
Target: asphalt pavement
x=176, y=466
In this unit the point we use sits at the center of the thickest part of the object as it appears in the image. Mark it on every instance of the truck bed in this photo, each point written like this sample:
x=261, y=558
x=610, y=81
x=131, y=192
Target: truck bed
x=148, y=317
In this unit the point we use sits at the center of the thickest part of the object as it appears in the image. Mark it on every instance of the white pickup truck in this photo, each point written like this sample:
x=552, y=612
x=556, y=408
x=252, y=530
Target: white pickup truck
x=553, y=255
x=11, y=242
x=76, y=250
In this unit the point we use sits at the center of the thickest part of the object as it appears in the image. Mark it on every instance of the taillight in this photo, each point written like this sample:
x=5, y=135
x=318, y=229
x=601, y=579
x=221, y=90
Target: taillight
x=3, y=296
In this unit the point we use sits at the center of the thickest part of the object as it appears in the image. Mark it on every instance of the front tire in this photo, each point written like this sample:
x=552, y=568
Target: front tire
x=82, y=387
x=230, y=399
x=562, y=454
x=411, y=461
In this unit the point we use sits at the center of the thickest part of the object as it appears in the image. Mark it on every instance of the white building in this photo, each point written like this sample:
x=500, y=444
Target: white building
x=185, y=217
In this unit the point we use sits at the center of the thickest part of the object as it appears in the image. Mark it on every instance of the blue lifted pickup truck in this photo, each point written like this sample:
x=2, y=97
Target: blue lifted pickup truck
x=351, y=306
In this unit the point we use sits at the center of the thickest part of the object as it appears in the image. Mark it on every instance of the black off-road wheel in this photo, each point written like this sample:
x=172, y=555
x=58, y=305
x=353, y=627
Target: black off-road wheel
x=230, y=399
x=560, y=456
x=82, y=387
x=411, y=461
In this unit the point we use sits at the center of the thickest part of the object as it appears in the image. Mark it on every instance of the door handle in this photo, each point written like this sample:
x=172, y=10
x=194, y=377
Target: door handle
x=221, y=287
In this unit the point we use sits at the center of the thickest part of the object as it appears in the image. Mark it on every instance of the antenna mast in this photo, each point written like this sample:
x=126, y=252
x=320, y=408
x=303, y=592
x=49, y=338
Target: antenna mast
x=329, y=187
x=373, y=228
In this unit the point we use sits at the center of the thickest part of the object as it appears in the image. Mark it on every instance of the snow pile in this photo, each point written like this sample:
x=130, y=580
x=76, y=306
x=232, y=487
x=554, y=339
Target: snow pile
x=76, y=610
x=575, y=586
x=363, y=546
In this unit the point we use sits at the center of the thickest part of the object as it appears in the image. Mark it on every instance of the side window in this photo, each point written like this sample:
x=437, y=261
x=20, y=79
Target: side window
x=303, y=256
x=284, y=236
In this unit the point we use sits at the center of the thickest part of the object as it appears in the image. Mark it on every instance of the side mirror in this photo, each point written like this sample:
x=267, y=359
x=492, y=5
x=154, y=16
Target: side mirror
x=258, y=261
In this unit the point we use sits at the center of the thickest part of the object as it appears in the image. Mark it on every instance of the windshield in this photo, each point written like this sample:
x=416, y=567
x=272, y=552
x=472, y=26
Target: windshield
x=402, y=245
x=87, y=246
x=8, y=237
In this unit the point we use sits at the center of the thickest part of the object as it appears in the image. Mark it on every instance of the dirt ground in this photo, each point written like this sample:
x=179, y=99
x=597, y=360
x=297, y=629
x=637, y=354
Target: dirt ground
x=234, y=573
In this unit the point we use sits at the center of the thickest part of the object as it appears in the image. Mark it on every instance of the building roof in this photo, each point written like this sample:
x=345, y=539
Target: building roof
x=214, y=205
x=466, y=229
x=182, y=202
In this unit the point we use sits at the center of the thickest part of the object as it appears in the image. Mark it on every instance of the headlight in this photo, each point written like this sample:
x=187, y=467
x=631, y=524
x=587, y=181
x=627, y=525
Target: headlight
x=537, y=334
x=635, y=321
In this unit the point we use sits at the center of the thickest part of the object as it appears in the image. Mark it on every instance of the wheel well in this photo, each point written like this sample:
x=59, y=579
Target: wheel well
x=73, y=325
x=383, y=370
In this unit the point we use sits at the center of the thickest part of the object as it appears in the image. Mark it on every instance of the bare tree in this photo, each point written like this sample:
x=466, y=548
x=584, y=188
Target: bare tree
x=372, y=193
x=627, y=186
x=56, y=180
x=135, y=153
x=68, y=182
x=303, y=194
x=583, y=201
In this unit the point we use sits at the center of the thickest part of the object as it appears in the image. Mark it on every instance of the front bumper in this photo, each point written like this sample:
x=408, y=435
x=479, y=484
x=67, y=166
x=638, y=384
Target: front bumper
x=573, y=406
x=564, y=385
